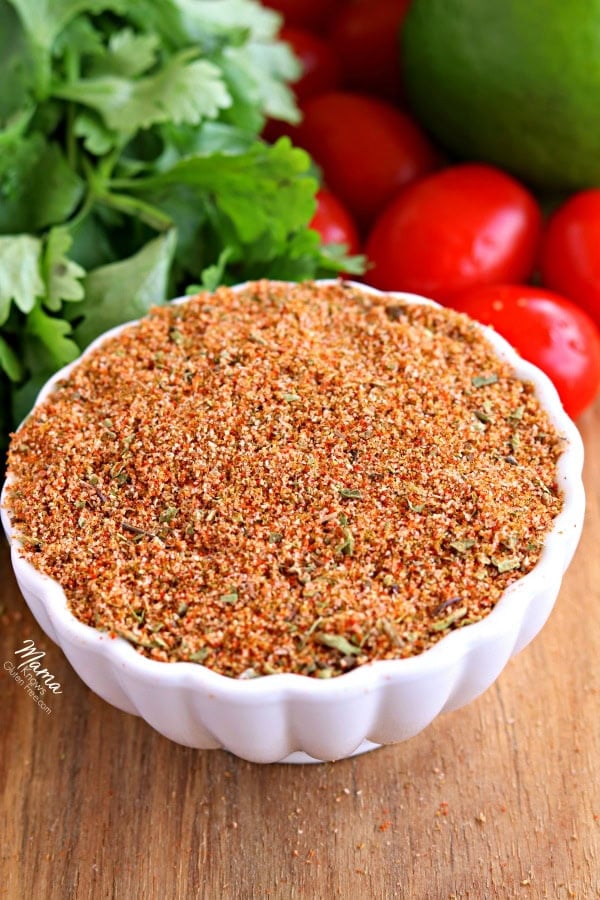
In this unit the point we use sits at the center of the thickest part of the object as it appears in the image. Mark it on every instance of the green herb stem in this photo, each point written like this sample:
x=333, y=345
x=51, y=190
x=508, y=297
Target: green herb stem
x=135, y=208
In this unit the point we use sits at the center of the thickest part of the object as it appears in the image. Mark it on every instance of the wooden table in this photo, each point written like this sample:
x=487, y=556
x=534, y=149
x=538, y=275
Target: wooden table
x=500, y=799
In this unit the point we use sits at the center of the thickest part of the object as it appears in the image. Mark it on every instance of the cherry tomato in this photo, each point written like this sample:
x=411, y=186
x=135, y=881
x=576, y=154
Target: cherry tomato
x=546, y=329
x=313, y=14
x=466, y=225
x=365, y=35
x=570, y=253
x=320, y=66
x=334, y=223
x=366, y=148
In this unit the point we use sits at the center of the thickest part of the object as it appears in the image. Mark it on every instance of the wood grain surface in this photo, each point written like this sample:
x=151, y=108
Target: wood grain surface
x=499, y=799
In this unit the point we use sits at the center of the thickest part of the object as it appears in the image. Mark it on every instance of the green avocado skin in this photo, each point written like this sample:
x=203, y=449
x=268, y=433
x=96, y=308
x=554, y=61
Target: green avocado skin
x=512, y=82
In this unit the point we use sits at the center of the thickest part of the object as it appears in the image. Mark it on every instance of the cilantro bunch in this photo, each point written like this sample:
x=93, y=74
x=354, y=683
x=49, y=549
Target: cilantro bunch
x=130, y=166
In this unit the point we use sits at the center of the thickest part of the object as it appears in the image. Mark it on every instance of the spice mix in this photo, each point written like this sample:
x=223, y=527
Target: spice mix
x=286, y=478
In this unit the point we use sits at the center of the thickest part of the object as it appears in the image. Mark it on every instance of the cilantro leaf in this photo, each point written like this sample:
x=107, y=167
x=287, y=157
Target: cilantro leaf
x=19, y=158
x=78, y=39
x=92, y=242
x=254, y=73
x=54, y=335
x=213, y=137
x=213, y=276
x=45, y=345
x=162, y=19
x=97, y=138
x=39, y=187
x=54, y=190
x=184, y=90
x=62, y=275
x=125, y=290
x=5, y=415
x=15, y=71
x=10, y=362
x=43, y=20
x=264, y=191
x=252, y=20
x=14, y=129
x=304, y=257
x=128, y=54
x=240, y=34
x=20, y=278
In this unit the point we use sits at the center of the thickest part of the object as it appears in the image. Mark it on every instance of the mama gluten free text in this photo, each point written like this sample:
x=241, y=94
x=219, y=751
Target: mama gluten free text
x=31, y=658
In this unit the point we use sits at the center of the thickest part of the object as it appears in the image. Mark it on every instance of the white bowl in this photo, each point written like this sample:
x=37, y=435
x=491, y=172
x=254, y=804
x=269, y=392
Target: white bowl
x=295, y=718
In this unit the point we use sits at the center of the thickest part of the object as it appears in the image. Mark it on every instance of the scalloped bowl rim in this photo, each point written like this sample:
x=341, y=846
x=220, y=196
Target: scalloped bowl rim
x=448, y=650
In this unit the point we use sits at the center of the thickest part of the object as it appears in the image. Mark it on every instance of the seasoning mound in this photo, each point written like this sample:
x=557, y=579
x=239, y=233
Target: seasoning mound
x=289, y=478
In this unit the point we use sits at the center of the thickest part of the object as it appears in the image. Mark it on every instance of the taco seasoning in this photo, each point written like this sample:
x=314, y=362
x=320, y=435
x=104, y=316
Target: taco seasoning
x=286, y=478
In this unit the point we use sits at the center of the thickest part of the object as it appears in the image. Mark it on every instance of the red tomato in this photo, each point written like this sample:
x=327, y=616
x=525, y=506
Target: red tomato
x=320, y=66
x=464, y=226
x=365, y=35
x=366, y=148
x=546, y=329
x=334, y=223
x=306, y=13
x=570, y=255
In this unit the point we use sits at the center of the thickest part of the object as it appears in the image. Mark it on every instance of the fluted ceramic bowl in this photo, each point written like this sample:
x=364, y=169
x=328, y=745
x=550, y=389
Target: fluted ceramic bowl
x=295, y=718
